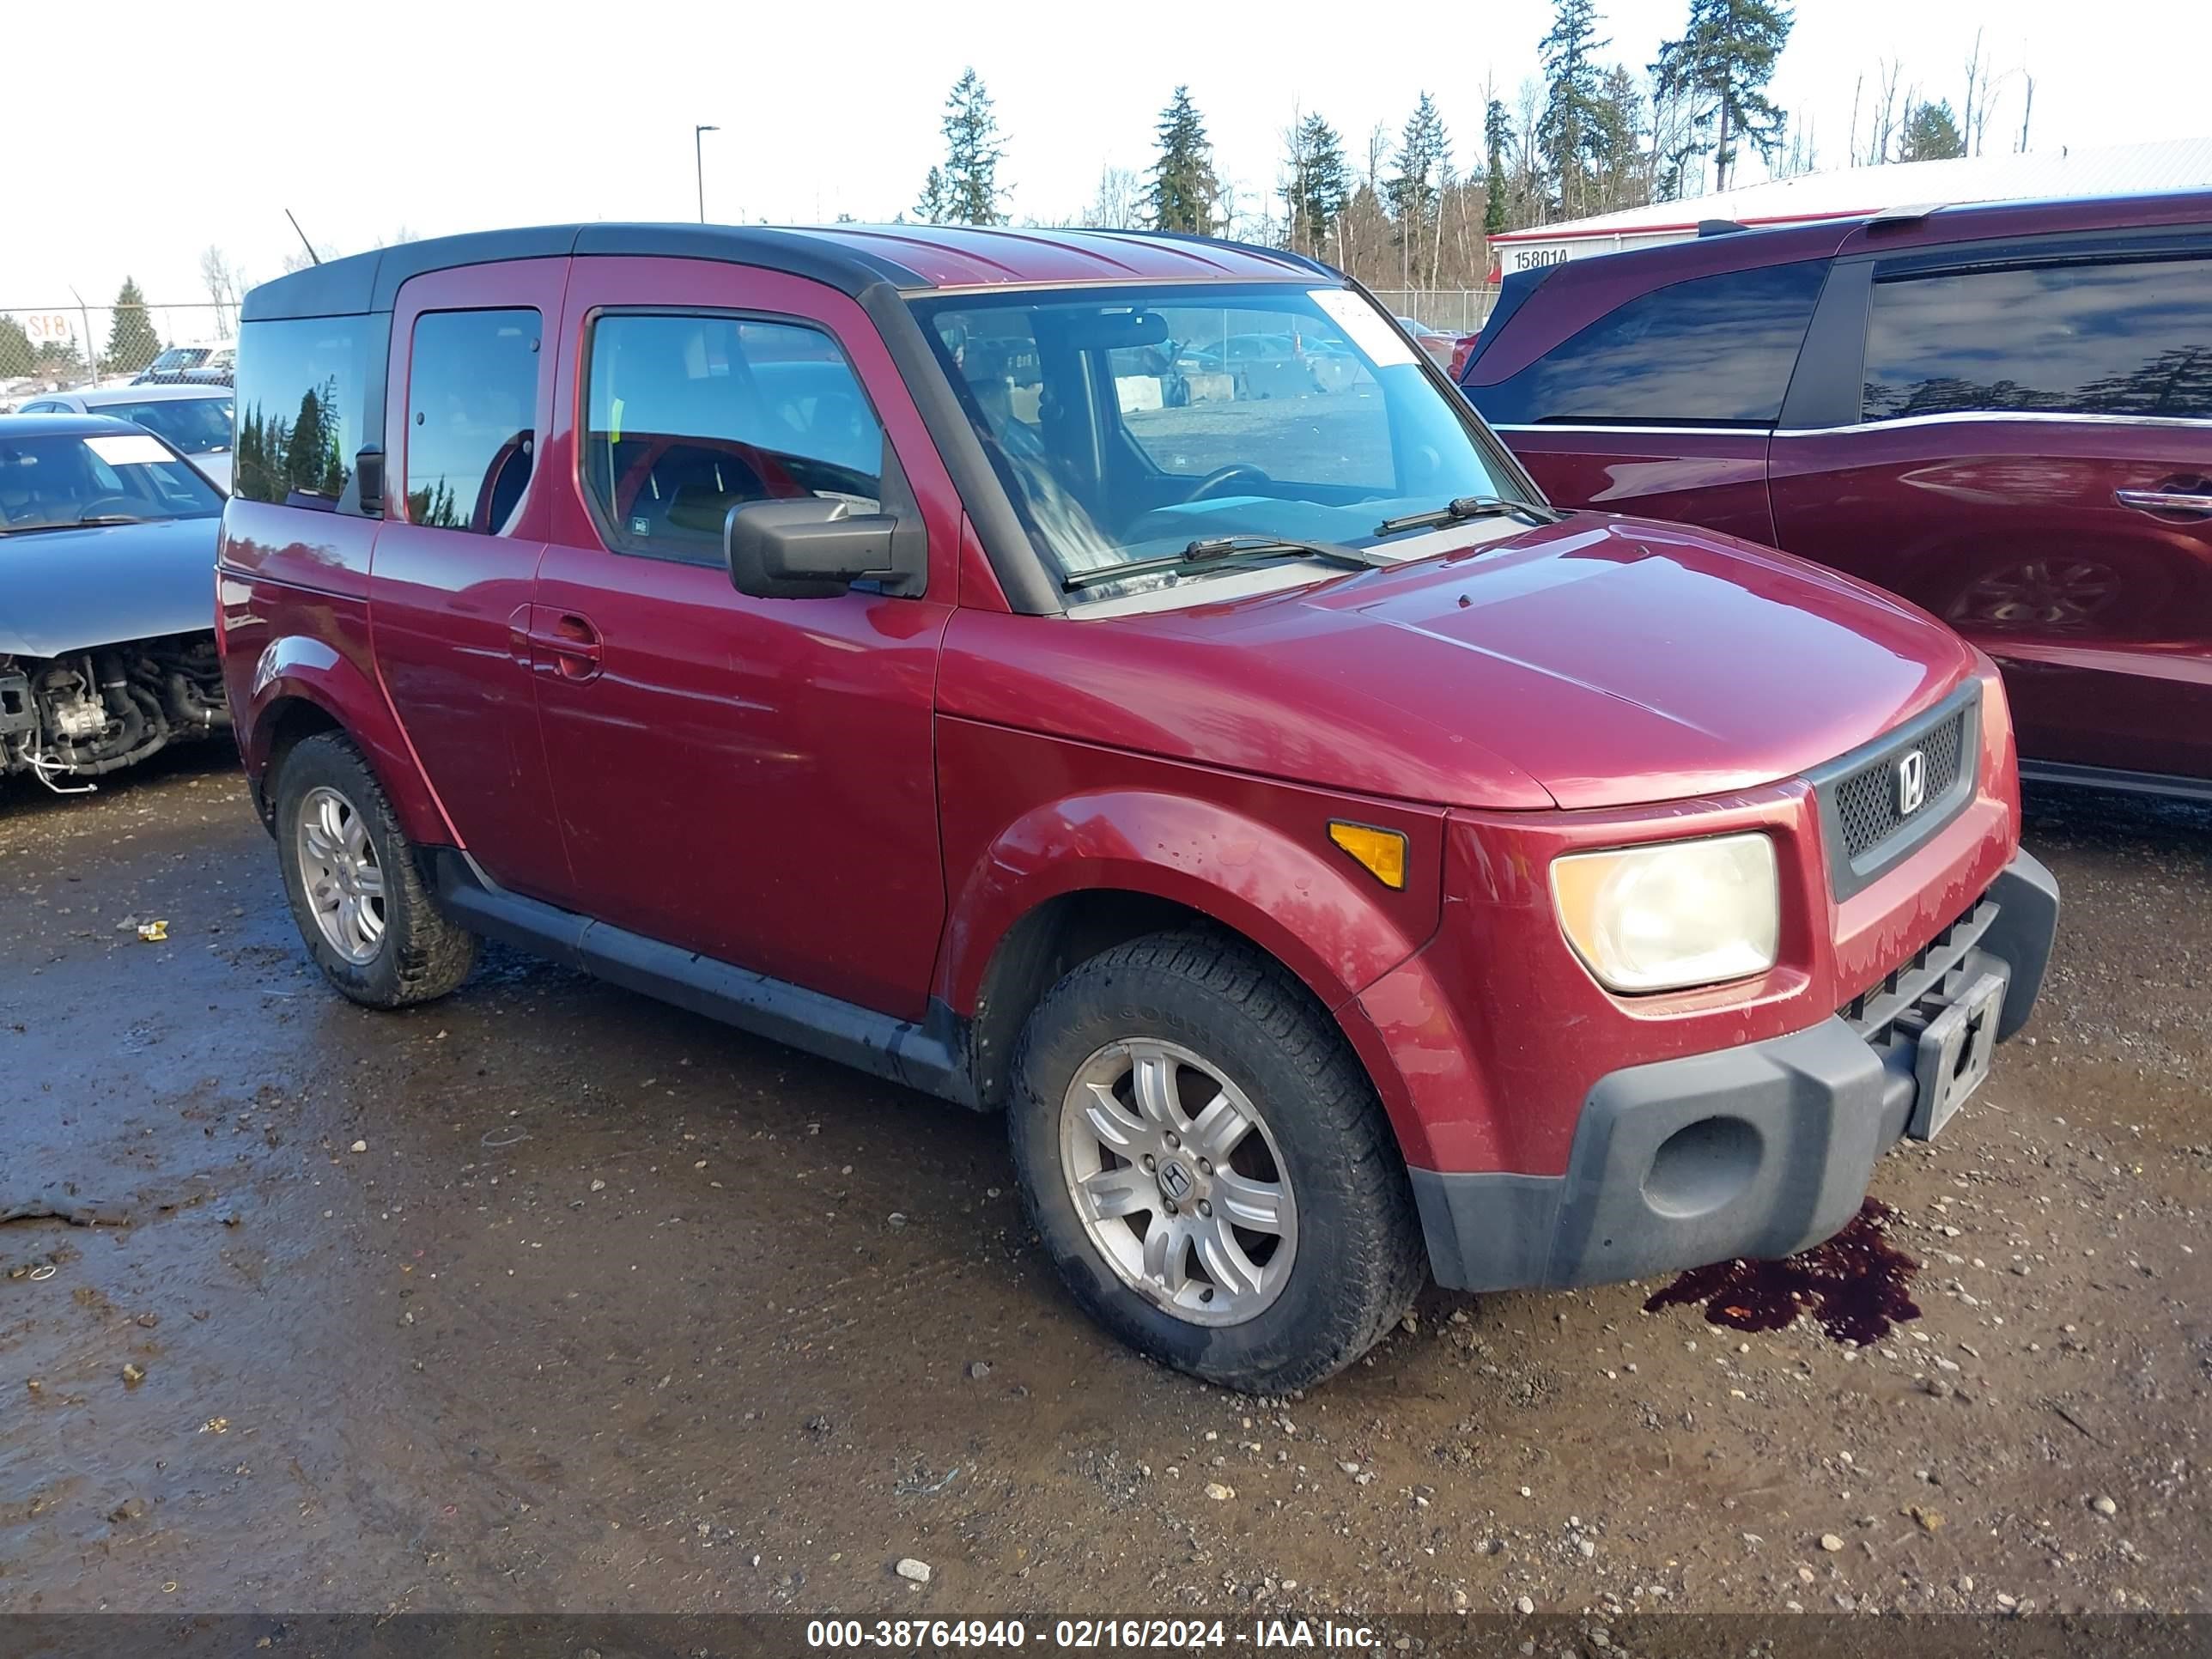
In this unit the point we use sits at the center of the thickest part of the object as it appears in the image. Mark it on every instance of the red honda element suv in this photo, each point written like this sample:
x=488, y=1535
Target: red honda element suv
x=1338, y=865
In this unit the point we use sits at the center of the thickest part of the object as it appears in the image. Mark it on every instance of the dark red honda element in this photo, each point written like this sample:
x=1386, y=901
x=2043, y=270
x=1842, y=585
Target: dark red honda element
x=2002, y=413
x=1338, y=866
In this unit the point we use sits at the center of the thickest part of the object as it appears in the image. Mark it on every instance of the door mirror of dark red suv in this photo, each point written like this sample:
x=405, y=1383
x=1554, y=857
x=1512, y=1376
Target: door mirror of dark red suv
x=813, y=548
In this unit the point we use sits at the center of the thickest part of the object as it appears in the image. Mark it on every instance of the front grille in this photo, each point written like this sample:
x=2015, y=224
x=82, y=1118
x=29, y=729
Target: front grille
x=1864, y=825
x=1867, y=800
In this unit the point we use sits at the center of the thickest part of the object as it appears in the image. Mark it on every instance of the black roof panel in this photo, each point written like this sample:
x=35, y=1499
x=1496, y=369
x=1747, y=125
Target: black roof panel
x=850, y=258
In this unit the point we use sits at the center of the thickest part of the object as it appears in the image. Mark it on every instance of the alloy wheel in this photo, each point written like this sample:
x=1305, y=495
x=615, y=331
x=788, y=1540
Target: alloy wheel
x=1178, y=1181
x=338, y=869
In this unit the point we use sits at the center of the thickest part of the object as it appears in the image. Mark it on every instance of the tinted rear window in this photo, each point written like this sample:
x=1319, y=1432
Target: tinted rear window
x=1712, y=351
x=471, y=417
x=2096, y=339
x=301, y=396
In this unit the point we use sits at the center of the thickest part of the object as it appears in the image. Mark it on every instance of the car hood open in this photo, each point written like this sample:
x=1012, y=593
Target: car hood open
x=67, y=590
x=1598, y=662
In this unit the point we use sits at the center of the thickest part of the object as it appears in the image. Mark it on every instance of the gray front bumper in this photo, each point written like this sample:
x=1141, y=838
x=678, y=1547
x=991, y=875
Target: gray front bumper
x=1757, y=1151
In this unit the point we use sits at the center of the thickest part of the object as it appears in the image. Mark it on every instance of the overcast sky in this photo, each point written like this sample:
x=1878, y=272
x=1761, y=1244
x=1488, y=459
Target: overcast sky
x=208, y=121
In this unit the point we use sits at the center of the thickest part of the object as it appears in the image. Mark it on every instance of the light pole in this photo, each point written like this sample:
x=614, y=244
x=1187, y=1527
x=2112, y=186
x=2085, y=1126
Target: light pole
x=699, y=168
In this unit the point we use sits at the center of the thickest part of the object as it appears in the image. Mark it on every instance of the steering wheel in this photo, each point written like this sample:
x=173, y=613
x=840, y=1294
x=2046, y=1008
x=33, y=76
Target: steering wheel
x=99, y=505
x=1221, y=475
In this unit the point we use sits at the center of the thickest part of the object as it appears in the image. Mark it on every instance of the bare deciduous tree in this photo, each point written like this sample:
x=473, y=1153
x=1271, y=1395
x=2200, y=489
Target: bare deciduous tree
x=1118, y=203
x=1889, y=85
x=225, y=284
x=1974, y=116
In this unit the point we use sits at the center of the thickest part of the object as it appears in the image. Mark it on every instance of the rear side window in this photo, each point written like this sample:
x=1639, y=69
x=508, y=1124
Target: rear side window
x=300, y=395
x=1712, y=351
x=471, y=414
x=2088, y=339
x=691, y=415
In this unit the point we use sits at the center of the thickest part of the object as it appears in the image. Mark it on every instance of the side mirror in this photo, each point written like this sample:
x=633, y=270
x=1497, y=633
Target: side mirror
x=810, y=547
x=368, y=480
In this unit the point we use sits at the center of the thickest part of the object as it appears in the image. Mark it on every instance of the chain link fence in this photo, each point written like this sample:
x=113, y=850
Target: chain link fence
x=1447, y=310
x=46, y=349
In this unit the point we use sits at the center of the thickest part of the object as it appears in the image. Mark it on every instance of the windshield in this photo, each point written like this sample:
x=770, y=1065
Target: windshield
x=1129, y=421
x=59, y=479
x=198, y=426
x=177, y=357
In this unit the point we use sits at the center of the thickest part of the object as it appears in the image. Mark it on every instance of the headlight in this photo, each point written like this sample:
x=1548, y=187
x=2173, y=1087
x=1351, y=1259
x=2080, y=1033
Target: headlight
x=1672, y=913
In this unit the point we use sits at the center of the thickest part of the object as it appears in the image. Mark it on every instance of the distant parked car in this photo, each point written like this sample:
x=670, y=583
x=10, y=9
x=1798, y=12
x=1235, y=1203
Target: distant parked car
x=2002, y=413
x=108, y=653
x=205, y=364
x=1272, y=365
x=1437, y=343
x=195, y=419
x=1462, y=349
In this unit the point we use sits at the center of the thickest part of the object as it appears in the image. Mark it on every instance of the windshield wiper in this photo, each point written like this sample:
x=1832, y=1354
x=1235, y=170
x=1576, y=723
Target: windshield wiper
x=93, y=523
x=1214, y=550
x=1462, y=508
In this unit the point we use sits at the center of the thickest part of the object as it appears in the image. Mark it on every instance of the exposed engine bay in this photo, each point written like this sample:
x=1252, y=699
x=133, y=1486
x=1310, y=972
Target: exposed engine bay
x=73, y=717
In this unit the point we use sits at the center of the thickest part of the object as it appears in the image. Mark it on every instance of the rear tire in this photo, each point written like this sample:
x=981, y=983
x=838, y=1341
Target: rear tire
x=357, y=891
x=1279, y=1264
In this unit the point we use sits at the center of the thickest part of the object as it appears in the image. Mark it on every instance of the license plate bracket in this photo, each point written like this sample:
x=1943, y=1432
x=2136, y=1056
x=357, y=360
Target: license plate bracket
x=1953, y=1059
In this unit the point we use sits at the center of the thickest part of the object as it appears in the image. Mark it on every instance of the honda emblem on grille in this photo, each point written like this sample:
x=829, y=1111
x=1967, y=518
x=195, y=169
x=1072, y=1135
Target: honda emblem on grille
x=1911, y=783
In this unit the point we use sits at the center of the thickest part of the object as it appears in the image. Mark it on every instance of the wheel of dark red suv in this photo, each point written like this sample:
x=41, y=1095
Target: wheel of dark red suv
x=355, y=889
x=1209, y=1166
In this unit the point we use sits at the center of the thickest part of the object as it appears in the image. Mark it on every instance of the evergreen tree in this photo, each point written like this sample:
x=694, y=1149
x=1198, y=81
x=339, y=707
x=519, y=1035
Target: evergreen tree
x=1930, y=134
x=936, y=203
x=1185, y=189
x=1319, y=183
x=435, y=507
x=1496, y=137
x=303, y=449
x=1616, y=144
x=15, y=354
x=1423, y=161
x=131, y=341
x=313, y=461
x=250, y=456
x=1569, y=59
x=58, y=357
x=1721, y=65
x=970, y=181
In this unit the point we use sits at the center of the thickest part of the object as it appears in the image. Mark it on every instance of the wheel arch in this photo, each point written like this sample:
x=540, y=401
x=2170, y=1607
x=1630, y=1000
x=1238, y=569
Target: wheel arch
x=291, y=721
x=1047, y=896
x=302, y=688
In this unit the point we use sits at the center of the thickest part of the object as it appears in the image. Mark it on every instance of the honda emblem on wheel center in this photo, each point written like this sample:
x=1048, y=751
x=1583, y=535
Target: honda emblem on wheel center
x=1175, y=1180
x=1911, y=783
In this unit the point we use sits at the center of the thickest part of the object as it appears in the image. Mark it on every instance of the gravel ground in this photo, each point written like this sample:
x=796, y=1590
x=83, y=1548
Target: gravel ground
x=551, y=1297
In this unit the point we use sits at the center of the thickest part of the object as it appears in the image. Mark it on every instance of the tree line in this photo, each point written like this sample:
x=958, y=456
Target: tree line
x=274, y=458
x=133, y=342
x=1415, y=207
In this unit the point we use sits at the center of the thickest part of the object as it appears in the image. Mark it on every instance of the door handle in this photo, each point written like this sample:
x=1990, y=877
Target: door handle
x=2193, y=503
x=568, y=644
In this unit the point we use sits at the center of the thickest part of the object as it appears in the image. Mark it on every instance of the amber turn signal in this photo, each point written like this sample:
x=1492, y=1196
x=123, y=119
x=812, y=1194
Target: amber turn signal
x=1383, y=851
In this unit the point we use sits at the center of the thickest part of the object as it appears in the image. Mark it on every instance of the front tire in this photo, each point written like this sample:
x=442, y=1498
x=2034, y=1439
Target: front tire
x=355, y=888
x=1209, y=1166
